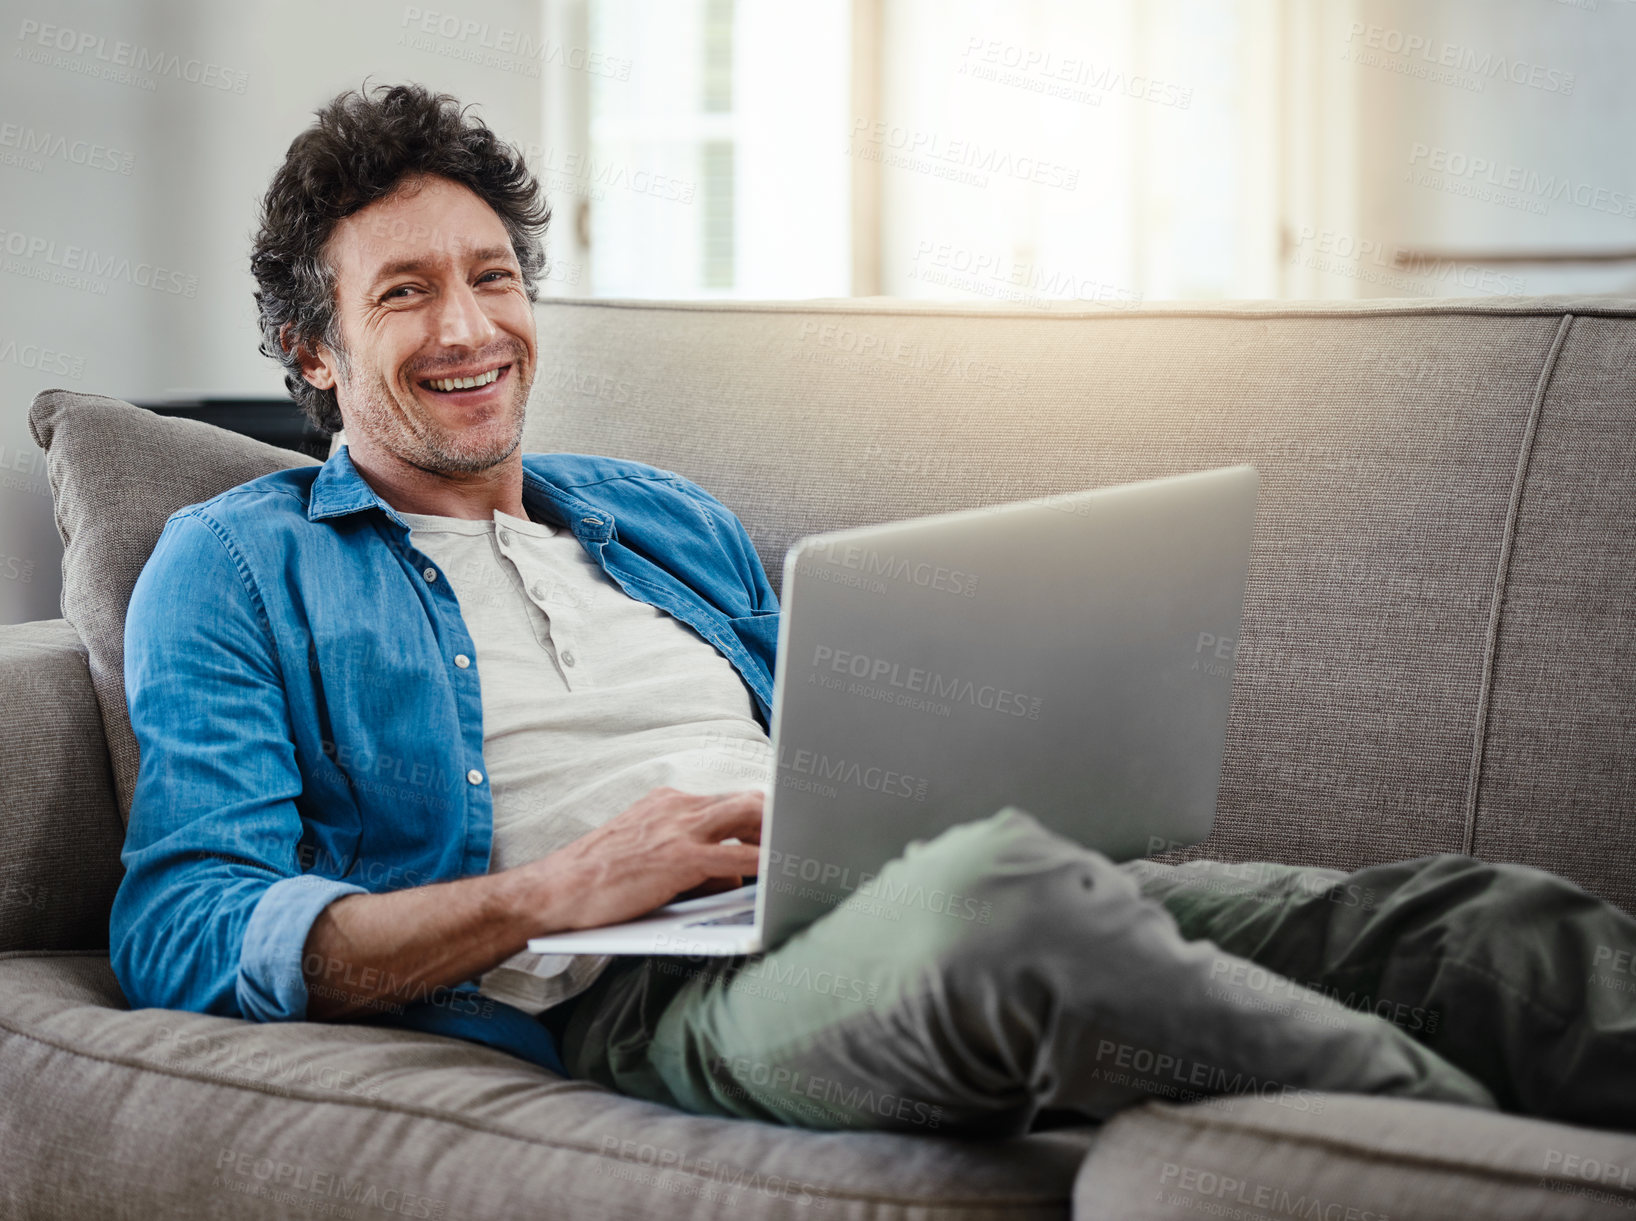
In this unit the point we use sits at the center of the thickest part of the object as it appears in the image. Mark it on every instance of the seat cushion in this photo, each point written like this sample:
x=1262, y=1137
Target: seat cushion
x=117, y=472
x=110, y=1112
x=1353, y=1156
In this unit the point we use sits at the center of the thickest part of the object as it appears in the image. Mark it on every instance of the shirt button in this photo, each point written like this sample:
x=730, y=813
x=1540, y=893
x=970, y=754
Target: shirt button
x=568, y=657
x=430, y=574
x=461, y=660
x=539, y=591
x=475, y=776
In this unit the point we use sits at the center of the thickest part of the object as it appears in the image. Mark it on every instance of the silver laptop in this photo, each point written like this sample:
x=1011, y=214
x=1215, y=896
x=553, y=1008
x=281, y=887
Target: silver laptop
x=1070, y=655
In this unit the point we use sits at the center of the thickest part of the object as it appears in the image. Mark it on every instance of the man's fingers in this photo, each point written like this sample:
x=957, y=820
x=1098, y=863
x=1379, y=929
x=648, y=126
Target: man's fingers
x=711, y=886
x=731, y=860
x=735, y=815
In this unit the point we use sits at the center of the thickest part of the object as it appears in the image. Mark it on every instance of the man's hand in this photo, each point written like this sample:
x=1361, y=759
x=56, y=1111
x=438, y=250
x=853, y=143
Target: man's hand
x=669, y=844
x=364, y=952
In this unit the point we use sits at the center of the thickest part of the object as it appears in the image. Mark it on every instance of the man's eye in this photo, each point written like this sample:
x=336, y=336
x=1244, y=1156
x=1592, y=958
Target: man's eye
x=497, y=272
x=402, y=288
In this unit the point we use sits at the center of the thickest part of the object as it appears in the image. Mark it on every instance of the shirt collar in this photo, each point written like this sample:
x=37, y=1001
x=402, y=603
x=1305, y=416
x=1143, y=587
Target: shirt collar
x=339, y=489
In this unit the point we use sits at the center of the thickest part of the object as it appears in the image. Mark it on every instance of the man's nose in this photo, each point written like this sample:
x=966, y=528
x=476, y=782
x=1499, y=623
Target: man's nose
x=462, y=322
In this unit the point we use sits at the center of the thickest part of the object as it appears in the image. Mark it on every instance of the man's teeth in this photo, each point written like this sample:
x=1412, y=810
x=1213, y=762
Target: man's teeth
x=464, y=383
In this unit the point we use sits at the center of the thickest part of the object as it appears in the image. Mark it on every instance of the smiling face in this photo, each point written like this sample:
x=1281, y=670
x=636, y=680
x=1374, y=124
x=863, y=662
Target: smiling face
x=438, y=331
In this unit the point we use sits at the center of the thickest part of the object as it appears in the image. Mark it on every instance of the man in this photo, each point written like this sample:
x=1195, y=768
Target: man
x=400, y=713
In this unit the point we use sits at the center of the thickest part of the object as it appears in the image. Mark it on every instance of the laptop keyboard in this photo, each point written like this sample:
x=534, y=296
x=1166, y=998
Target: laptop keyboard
x=747, y=916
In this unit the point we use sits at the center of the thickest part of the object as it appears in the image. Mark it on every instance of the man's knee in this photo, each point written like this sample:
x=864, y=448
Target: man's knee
x=992, y=852
x=1003, y=882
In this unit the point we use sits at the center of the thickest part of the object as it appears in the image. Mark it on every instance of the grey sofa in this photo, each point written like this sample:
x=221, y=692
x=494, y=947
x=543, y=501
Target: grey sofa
x=1438, y=654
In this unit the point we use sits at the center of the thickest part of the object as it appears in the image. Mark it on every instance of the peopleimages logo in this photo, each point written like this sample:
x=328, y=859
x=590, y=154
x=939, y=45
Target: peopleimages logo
x=1544, y=188
x=247, y=1172
x=1402, y=267
x=990, y=274
x=96, y=267
x=1224, y=1195
x=908, y=148
x=1073, y=78
x=849, y=348
x=29, y=142
x=85, y=48
x=871, y=562
x=803, y=763
x=42, y=360
x=506, y=41
x=938, y=686
x=1485, y=64
x=586, y=176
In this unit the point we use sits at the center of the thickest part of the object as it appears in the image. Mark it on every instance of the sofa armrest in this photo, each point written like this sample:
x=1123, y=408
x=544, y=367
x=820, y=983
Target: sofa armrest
x=61, y=829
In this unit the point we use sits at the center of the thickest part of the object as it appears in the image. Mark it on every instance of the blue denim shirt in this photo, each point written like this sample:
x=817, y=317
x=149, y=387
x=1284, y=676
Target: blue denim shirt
x=305, y=732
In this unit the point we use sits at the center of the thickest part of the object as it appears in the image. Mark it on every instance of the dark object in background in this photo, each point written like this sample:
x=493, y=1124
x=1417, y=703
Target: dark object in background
x=277, y=421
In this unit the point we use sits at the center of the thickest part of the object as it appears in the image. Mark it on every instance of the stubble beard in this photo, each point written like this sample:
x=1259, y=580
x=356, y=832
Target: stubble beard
x=409, y=431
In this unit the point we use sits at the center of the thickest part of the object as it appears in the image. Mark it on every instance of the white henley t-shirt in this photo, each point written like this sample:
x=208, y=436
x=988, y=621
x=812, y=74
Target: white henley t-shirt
x=591, y=699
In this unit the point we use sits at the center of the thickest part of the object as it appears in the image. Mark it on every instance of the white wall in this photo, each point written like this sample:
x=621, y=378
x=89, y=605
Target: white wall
x=1466, y=142
x=191, y=160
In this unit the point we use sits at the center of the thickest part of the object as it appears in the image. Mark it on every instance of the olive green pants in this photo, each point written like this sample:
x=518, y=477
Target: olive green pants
x=1000, y=971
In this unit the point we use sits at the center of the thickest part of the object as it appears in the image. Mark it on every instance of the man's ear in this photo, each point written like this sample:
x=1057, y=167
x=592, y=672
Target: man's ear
x=317, y=367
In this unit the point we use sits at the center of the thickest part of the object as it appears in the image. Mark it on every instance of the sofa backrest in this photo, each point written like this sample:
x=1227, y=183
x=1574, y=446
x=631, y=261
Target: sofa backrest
x=1438, y=650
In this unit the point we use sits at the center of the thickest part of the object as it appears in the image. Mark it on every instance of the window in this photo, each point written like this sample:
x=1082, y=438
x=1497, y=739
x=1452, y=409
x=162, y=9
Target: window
x=704, y=170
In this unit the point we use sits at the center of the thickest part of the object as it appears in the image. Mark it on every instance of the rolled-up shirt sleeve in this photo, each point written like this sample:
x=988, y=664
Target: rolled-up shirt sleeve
x=214, y=910
x=271, y=983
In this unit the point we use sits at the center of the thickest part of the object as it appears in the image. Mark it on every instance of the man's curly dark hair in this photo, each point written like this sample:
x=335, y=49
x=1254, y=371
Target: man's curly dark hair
x=365, y=143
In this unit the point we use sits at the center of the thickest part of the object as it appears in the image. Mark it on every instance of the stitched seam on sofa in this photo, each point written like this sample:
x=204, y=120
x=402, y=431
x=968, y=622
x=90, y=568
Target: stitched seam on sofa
x=488, y=1130
x=1502, y=570
x=1496, y=310
x=1160, y=1113
x=59, y=503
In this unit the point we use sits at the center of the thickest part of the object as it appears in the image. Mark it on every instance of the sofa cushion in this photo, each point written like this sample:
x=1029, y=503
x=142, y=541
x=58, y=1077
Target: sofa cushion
x=1352, y=1156
x=60, y=866
x=156, y=1113
x=117, y=472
